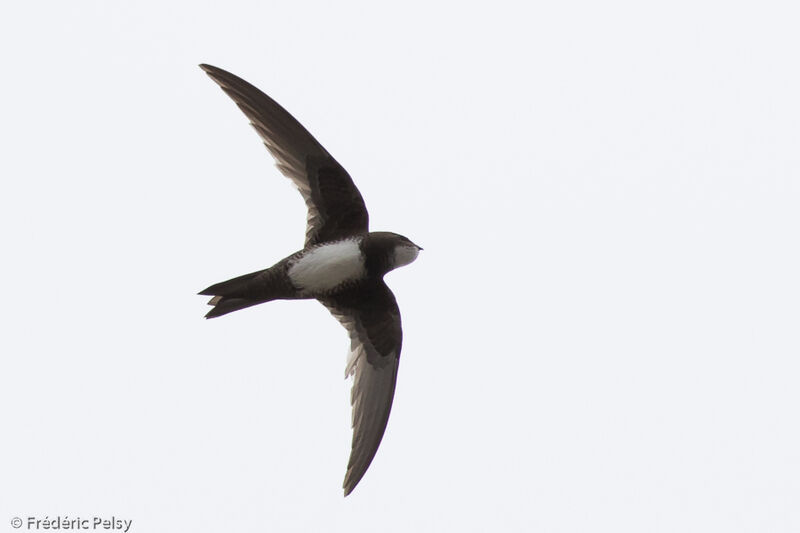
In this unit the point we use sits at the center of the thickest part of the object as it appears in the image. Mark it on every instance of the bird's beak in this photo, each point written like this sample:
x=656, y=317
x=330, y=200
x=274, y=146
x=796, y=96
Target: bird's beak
x=419, y=247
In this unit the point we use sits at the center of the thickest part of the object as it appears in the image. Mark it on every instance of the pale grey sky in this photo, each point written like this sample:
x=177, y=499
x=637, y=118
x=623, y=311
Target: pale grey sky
x=601, y=334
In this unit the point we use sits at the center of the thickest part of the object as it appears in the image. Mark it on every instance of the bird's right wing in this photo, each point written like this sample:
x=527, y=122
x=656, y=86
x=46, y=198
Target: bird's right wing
x=335, y=206
x=372, y=319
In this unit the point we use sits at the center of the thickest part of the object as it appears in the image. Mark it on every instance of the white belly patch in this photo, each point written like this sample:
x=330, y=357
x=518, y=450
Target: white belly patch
x=327, y=267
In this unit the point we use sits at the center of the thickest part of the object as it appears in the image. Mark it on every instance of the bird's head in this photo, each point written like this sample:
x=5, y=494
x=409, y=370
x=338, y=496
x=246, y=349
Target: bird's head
x=404, y=251
x=386, y=251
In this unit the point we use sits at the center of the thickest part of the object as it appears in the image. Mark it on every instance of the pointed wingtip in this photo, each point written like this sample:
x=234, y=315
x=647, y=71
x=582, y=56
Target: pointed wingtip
x=211, y=70
x=221, y=77
x=351, y=480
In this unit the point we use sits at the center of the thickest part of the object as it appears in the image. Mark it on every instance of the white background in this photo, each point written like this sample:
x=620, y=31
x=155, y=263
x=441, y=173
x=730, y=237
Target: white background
x=602, y=331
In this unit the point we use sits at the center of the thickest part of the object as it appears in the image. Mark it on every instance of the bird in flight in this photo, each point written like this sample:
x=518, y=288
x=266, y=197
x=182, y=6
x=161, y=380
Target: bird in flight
x=342, y=265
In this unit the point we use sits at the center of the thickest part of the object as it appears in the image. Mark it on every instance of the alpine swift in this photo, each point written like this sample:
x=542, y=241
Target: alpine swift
x=342, y=265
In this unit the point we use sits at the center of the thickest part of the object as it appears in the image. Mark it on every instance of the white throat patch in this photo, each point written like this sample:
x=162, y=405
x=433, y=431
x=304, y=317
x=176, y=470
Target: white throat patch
x=404, y=254
x=327, y=266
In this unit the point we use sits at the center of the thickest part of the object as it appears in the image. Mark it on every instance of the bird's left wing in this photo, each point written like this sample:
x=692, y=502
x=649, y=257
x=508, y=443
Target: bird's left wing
x=372, y=318
x=335, y=206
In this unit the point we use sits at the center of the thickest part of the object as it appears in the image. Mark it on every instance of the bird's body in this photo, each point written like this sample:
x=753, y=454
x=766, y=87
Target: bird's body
x=342, y=265
x=318, y=272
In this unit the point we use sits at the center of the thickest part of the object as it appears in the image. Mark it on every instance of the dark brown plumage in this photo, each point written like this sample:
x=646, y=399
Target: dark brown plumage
x=341, y=264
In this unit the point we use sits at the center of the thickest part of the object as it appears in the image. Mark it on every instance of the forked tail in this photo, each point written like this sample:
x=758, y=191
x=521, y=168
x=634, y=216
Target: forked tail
x=238, y=293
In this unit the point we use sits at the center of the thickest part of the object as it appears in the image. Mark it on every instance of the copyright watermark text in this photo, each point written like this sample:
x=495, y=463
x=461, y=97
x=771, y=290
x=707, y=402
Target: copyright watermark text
x=67, y=523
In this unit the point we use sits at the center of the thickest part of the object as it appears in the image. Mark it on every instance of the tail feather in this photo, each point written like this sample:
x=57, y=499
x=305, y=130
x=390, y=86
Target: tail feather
x=223, y=305
x=230, y=287
x=245, y=291
x=231, y=295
